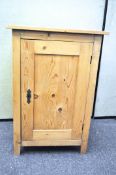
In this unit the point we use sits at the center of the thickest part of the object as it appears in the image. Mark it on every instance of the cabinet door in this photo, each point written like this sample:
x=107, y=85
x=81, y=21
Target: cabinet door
x=54, y=83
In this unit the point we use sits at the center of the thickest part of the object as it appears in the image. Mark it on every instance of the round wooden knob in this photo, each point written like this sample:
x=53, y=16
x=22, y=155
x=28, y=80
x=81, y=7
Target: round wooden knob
x=36, y=96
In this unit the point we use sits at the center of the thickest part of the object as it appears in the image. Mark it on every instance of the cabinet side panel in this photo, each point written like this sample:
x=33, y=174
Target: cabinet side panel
x=16, y=91
x=90, y=95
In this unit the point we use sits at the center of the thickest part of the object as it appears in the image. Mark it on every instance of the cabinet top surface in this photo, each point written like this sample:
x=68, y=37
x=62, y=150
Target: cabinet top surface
x=26, y=28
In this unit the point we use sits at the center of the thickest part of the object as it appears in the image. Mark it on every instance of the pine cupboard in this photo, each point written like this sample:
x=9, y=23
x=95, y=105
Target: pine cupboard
x=54, y=77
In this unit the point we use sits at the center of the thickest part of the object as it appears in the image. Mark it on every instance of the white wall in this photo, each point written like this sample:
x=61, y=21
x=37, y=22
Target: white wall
x=106, y=96
x=79, y=14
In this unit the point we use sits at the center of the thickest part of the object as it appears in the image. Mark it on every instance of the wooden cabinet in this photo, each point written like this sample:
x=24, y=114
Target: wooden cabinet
x=54, y=76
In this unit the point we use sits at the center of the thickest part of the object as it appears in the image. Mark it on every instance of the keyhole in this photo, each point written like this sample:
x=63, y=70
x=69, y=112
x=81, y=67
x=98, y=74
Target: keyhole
x=60, y=109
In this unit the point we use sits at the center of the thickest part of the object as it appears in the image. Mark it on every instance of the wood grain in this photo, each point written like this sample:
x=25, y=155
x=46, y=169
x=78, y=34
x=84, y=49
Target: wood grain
x=27, y=82
x=90, y=95
x=52, y=143
x=14, y=27
x=55, y=82
x=81, y=89
x=16, y=93
x=56, y=48
x=52, y=134
x=80, y=38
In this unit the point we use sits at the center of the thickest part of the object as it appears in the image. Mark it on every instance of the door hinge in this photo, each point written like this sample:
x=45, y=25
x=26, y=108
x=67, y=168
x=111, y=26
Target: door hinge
x=91, y=59
x=82, y=126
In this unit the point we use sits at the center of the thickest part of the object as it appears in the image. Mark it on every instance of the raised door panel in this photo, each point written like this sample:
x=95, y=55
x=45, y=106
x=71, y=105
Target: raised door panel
x=57, y=74
x=55, y=86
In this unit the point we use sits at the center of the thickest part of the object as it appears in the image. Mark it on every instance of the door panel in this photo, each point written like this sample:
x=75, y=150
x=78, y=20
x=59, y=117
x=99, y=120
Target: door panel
x=57, y=75
x=55, y=81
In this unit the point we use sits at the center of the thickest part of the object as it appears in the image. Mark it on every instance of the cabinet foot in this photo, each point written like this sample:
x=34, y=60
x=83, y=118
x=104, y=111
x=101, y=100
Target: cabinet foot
x=83, y=148
x=17, y=149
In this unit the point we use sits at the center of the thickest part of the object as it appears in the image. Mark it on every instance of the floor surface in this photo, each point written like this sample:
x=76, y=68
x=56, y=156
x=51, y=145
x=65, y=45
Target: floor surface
x=99, y=160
